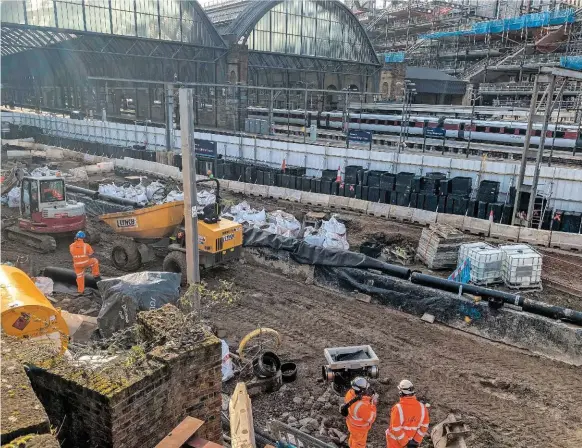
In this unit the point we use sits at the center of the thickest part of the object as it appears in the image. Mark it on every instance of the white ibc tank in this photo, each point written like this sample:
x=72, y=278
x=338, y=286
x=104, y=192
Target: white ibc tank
x=486, y=262
x=522, y=266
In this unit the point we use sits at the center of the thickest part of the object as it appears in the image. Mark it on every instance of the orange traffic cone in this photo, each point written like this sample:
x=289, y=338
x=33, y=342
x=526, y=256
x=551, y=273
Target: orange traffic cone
x=284, y=165
x=338, y=178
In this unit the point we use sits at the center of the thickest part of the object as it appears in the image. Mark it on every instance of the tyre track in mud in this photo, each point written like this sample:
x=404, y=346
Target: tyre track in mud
x=509, y=397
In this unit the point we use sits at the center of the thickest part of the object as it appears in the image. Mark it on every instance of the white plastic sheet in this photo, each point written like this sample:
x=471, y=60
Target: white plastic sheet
x=14, y=197
x=45, y=284
x=286, y=224
x=227, y=368
x=335, y=234
x=44, y=172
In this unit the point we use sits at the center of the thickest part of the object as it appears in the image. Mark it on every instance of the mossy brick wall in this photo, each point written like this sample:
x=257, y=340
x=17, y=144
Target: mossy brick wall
x=22, y=413
x=143, y=412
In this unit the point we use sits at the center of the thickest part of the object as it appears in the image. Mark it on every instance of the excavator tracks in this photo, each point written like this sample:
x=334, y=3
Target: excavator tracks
x=41, y=243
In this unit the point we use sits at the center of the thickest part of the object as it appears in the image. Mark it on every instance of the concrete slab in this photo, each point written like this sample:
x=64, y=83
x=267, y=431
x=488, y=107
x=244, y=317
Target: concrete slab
x=566, y=241
x=237, y=187
x=504, y=232
x=423, y=217
x=534, y=236
x=455, y=221
x=476, y=226
x=315, y=199
x=358, y=205
x=401, y=213
x=339, y=202
x=377, y=209
x=276, y=192
x=292, y=195
x=257, y=190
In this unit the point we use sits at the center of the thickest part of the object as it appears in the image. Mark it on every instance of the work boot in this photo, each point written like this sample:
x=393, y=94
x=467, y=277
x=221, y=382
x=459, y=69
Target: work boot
x=98, y=278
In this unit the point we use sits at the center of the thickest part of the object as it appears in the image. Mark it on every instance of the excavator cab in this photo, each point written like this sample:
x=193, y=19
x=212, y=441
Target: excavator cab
x=37, y=194
x=44, y=211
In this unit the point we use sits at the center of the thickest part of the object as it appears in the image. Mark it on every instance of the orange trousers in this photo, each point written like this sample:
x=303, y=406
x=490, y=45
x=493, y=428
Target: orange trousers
x=358, y=439
x=79, y=268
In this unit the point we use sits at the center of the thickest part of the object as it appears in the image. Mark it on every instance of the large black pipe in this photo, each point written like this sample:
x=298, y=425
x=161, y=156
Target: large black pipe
x=532, y=306
x=96, y=195
x=121, y=201
x=67, y=276
x=91, y=193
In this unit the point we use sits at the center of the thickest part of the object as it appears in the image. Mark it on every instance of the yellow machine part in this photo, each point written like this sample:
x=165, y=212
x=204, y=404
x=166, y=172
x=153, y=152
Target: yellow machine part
x=152, y=222
x=223, y=236
x=26, y=312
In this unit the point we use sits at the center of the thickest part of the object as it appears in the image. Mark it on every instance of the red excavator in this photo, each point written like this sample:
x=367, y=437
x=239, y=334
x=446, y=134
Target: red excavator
x=45, y=213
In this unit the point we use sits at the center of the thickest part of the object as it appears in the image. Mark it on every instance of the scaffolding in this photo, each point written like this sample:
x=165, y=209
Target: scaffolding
x=500, y=45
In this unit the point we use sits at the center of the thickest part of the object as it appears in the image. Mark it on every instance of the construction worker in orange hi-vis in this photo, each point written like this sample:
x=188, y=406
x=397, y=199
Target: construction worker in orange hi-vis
x=359, y=409
x=81, y=251
x=409, y=419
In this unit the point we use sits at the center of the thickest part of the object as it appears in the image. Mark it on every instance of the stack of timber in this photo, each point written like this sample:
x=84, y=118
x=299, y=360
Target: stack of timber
x=438, y=246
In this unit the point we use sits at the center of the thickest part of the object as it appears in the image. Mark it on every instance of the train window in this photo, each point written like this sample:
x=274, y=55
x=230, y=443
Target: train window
x=537, y=133
x=481, y=129
x=558, y=134
x=522, y=131
x=494, y=129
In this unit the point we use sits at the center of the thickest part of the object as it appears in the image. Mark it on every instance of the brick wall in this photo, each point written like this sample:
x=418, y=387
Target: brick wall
x=178, y=379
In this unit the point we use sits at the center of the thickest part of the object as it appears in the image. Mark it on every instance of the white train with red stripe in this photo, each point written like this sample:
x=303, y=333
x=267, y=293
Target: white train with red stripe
x=499, y=132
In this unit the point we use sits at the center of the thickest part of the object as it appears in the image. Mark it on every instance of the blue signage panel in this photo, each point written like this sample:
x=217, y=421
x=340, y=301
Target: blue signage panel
x=434, y=132
x=356, y=135
x=205, y=148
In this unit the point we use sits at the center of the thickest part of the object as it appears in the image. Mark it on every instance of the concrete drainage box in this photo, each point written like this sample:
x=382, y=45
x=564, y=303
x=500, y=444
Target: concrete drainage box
x=332, y=354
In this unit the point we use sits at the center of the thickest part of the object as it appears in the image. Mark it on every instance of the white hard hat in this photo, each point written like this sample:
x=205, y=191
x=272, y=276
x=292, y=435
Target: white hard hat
x=360, y=384
x=405, y=387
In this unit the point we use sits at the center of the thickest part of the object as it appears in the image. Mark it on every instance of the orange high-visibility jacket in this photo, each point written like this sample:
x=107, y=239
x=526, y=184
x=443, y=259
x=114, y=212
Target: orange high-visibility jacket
x=361, y=414
x=80, y=252
x=408, y=420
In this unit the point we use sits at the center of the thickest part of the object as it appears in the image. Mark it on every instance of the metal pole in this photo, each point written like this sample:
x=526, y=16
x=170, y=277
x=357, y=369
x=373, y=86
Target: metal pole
x=400, y=138
x=305, y=113
x=532, y=110
x=540, y=153
x=474, y=102
x=190, y=199
x=169, y=117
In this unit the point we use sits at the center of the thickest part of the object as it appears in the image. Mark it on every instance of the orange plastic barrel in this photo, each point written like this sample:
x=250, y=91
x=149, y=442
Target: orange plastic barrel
x=26, y=312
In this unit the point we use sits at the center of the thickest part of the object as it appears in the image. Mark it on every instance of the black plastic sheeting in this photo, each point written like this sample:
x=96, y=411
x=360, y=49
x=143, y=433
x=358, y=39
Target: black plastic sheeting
x=512, y=326
x=304, y=253
x=124, y=297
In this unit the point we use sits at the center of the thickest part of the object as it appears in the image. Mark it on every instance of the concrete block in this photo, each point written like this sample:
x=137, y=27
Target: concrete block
x=237, y=187
x=292, y=195
x=358, y=205
x=275, y=192
x=423, y=217
x=504, y=232
x=401, y=213
x=377, y=209
x=476, y=226
x=455, y=221
x=566, y=241
x=257, y=190
x=534, y=237
x=315, y=199
x=339, y=202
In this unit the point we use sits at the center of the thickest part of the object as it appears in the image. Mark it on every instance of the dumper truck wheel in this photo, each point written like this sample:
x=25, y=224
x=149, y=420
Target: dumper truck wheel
x=125, y=255
x=175, y=261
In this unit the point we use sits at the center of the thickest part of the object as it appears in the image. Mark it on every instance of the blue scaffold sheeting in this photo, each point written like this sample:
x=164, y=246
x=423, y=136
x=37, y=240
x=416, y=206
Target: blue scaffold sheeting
x=571, y=62
x=535, y=20
x=397, y=56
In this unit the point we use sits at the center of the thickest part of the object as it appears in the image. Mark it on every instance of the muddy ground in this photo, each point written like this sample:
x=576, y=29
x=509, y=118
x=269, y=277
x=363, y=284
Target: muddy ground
x=508, y=397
